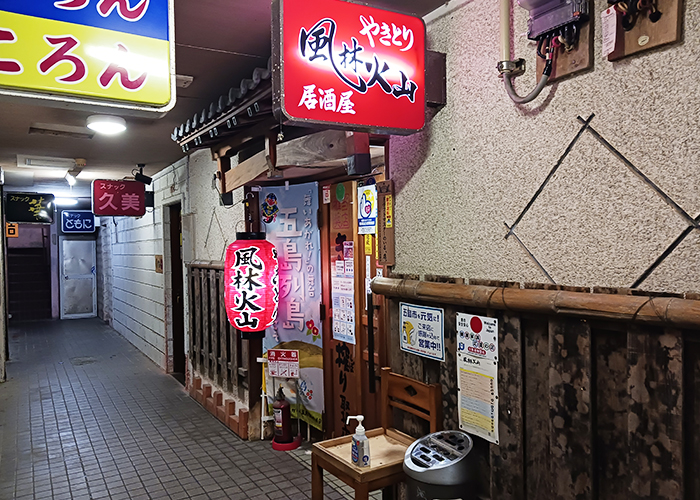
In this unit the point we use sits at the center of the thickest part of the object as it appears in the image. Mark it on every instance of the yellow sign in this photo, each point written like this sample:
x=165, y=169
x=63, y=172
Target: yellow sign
x=12, y=230
x=368, y=244
x=389, y=211
x=120, y=53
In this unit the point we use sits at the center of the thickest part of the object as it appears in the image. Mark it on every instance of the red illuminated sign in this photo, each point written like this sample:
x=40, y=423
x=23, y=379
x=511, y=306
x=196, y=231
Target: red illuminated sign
x=123, y=198
x=349, y=65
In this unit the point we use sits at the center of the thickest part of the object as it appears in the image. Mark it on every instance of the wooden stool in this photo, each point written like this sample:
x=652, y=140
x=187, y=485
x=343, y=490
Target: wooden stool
x=387, y=445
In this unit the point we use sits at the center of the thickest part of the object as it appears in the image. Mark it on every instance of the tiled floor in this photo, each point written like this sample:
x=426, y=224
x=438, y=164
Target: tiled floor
x=84, y=415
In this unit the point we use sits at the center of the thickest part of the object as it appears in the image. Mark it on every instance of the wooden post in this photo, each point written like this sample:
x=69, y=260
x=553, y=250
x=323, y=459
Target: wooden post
x=197, y=298
x=612, y=403
x=570, y=410
x=538, y=480
x=655, y=422
x=214, y=326
x=507, y=458
x=206, y=334
x=359, y=159
x=224, y=338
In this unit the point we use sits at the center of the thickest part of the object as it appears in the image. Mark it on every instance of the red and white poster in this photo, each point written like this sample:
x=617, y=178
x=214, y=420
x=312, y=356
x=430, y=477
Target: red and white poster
x=283, y=363
x=352, y=65
x=118, y=198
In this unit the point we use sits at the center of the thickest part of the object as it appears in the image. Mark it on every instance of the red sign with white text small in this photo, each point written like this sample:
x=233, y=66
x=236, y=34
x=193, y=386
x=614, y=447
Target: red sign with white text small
x=352, y=65
x=283, y=363
x=118, y=198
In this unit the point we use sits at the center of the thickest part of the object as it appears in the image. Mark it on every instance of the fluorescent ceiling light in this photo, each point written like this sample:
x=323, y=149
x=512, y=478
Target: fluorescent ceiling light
x=70, y=179
x=65, y=202
x=33, y=162
x=106, y=124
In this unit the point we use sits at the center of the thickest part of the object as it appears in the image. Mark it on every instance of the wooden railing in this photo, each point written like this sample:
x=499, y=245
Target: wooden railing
x=216, y=349
x=590, y=407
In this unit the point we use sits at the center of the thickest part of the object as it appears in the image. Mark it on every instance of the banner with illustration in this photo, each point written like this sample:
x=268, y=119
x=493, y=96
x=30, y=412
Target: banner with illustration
x=290, y=218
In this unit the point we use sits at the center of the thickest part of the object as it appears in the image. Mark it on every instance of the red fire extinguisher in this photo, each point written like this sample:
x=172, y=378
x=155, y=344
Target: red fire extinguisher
x=283, y=418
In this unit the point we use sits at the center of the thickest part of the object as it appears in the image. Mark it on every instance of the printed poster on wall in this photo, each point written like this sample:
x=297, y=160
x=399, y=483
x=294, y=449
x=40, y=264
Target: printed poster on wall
x=367, y=209
x=423, y=330
x=343, y=296
x=290, y=217
x=477, y=375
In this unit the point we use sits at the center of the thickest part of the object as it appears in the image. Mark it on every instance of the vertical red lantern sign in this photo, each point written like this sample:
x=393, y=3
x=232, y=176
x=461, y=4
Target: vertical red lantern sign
x=251, y=290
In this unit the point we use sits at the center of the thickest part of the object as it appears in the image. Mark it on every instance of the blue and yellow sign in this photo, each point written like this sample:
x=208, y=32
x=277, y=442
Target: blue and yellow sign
x=102, y=50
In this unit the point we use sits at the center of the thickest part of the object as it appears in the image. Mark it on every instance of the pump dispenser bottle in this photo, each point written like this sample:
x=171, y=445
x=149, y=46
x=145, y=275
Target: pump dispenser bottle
x=360, y=443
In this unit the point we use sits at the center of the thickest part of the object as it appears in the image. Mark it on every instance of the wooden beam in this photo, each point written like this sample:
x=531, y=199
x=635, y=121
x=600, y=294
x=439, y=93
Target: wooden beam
x=358, y=156
x=231, y=145
x=312, y=150
x=669, y=311
x=330, y=148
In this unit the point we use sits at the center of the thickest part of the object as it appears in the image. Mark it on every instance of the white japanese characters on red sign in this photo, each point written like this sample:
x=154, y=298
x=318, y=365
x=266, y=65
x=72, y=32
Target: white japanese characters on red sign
x=118, y=198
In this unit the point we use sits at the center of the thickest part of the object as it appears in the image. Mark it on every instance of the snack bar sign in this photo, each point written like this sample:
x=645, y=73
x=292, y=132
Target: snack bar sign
x=349, y=65
x=118, y=198
x=107, y=52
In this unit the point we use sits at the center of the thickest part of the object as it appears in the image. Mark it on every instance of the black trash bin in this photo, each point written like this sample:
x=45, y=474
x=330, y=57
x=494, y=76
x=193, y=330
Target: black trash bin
x=440, y=466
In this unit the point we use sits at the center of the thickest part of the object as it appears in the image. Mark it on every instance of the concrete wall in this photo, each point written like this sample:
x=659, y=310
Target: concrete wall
x=104, y=271
x=137, y=290
x=214, y=224
x=481, y=158
x=135, y=299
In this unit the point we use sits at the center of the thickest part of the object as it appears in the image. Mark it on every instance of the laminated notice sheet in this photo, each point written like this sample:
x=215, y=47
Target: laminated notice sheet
x=477, y=375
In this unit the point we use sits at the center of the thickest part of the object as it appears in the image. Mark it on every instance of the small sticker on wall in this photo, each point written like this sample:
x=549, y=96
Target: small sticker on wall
x=326, y=195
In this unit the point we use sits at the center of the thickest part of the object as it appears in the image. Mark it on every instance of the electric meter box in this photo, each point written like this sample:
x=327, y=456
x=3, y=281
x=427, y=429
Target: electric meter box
x=440, y=466
x=548, y=15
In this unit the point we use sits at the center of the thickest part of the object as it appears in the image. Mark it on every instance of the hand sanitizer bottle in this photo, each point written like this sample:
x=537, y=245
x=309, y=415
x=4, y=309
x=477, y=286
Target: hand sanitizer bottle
x=360, y=443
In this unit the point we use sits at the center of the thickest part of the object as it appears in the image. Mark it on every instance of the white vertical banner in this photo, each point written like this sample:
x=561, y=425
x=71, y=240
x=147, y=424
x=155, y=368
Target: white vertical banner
x=477, y=375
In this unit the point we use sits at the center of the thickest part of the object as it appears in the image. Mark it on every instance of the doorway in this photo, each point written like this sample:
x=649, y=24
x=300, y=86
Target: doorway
x=178, y=316
x=78, y=278
x=29, y=273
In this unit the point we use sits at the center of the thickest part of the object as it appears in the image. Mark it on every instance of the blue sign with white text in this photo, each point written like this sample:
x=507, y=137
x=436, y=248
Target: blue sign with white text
x=77, y=221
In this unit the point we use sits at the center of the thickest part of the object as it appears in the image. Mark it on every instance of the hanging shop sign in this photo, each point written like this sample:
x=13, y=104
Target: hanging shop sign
x=423, y=330
x=115, y=53
x=118, y=198
x=77, y=221
x=251, y=290
x=367, y=209
x=290, y=217
x=348, y=65
x=477, y=375
x=32, y=208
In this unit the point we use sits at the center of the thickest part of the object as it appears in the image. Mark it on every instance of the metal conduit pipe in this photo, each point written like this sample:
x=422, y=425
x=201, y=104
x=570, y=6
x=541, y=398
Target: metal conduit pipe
x=511, y=68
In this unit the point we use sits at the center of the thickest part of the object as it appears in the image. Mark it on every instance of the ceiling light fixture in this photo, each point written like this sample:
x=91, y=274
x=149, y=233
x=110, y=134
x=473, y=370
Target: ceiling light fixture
x=65, y=202
x=106, y=124
x=71, y=180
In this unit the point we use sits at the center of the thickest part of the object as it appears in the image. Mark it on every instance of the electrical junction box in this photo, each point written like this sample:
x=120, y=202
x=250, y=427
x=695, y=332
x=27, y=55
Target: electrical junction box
x=548, y=15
